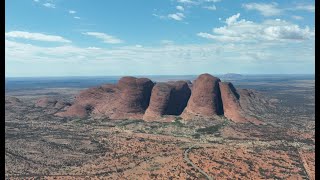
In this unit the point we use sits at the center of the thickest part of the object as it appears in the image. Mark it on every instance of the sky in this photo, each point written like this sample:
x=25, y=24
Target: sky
x=158, y=37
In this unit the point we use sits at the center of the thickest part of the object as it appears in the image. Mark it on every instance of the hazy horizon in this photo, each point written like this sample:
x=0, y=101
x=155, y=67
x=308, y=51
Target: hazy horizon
x=154, y=75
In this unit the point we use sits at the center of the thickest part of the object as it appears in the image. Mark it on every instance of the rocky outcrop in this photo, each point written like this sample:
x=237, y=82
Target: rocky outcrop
x=205, y=98
x=135, y=94
x=132, y=99
x=140, y=98
x=92, y=101
x=254, y=103
x=167, y=99
x=230, y=99
x=126, y=100
x=51, y=102
x=45, y=102
x=179, y=97
x=75, y=110
x=231, y=104
x=159, y=101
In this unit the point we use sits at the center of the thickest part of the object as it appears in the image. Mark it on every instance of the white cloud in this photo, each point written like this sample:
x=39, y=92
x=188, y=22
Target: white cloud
x=213, y=1
x=306, y=7
x=212, y=7
x=166, y=42
x=180, y=8
x=36, y=36
x=76, y=17
x=291, y=32
x=72, y=11
x=264, y=8
x=138, y=46
x=248, y=31
x=159, y=16
x=94, y=48
x=177, y=59
x=176, y=16
x=272, y=9
x=186, y=1
x=104, y=37
x=49, y=5
x=297, y=17
x=232, y=19
x=36, y=0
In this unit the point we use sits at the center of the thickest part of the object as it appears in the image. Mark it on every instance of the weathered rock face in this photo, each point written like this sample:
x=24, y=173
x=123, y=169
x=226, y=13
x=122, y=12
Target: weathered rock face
x=45, y=102
x=127, y=99
x=167, y=99
x=159, y=101
x=98, y=100
x=75, y=110
x=232, y=106
x=230, y=99
x=52, y=105
x=179, y=97
x=205, y=98
x=135, y=94
x=252, y=102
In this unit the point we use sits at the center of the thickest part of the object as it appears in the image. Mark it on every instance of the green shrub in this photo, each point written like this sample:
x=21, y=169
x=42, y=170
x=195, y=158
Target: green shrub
x=177, y=122
x=209, y=130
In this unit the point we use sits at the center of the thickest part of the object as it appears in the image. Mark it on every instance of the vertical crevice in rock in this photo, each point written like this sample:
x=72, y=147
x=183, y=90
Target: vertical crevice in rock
x=219, y=103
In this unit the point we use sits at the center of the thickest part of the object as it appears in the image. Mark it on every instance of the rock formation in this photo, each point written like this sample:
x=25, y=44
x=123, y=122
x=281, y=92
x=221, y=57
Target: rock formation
x=205, y=98
x=75, y=110
x=140, y=98
x=45, y=102
x=135, y=95
x=167, y=99
x=159, y=101
x=126, y=100
x=179, y=97
x=90, y=100
x=231, y=104
x=51, y=102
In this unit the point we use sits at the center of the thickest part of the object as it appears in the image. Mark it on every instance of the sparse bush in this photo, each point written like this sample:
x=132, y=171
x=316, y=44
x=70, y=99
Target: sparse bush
x=210, y=129
x=177, y=122
x=78, y=120
x=196, y=136
x=127, y=122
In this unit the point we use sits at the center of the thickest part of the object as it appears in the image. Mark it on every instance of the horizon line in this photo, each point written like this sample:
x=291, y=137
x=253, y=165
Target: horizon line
x=153, y=75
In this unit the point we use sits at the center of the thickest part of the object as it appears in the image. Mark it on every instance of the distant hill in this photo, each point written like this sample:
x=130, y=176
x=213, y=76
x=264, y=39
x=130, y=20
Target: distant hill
x=232, y=75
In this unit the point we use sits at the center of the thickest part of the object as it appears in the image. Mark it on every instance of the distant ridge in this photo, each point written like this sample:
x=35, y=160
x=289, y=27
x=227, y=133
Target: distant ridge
x=232, y=76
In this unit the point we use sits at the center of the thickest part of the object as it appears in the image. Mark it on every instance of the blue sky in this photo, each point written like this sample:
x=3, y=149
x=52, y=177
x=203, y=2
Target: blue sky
x=158, y=37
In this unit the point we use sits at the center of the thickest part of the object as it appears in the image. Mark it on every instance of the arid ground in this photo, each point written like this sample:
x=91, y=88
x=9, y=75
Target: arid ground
x=41, y=145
